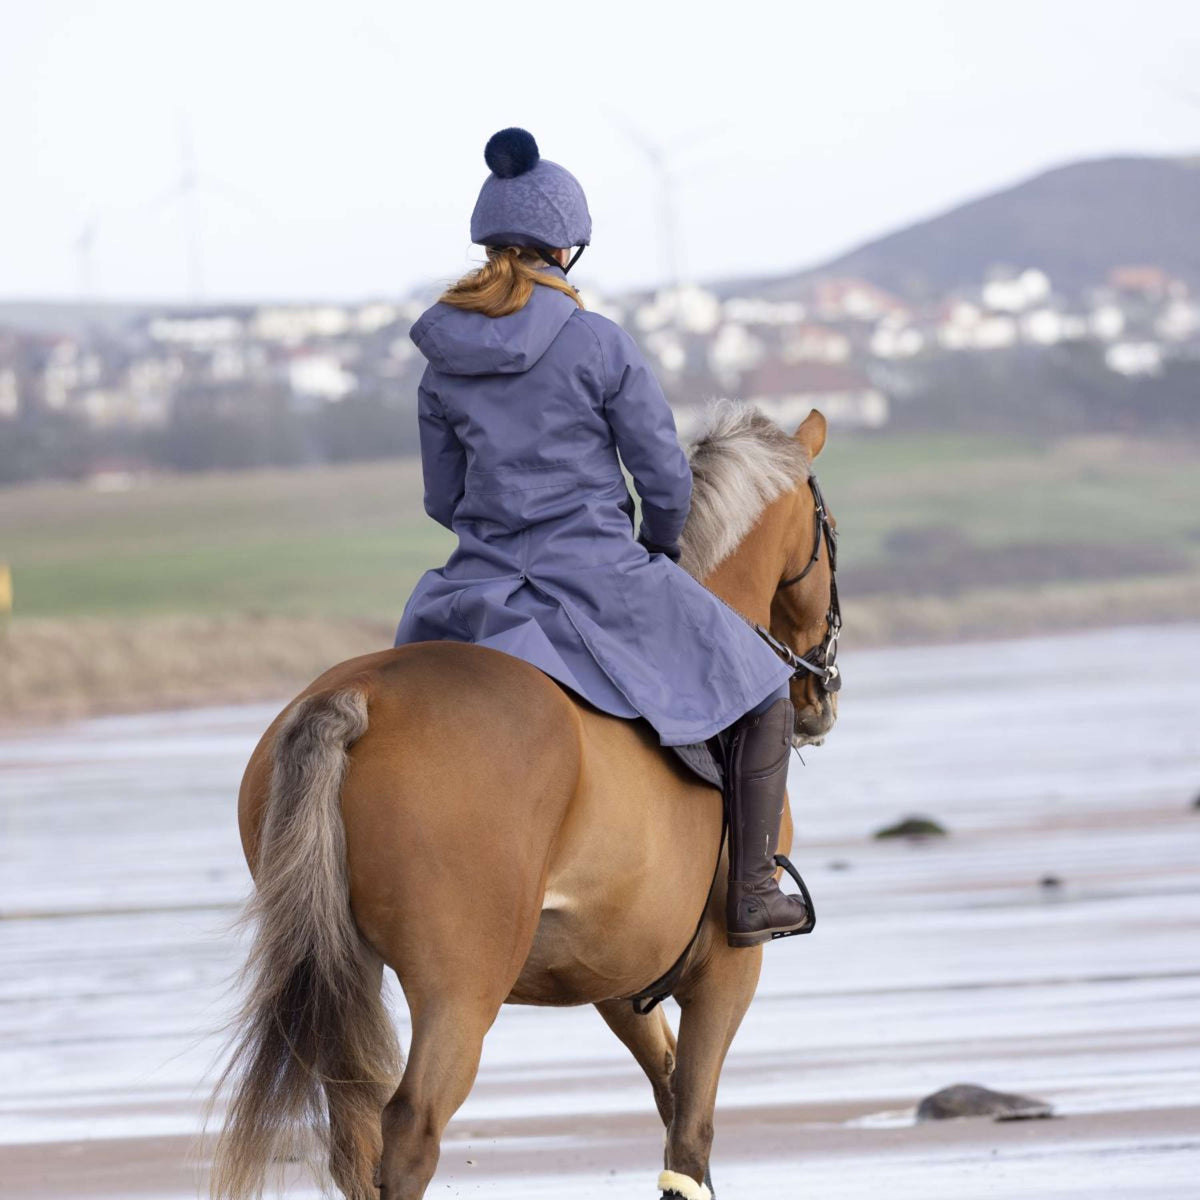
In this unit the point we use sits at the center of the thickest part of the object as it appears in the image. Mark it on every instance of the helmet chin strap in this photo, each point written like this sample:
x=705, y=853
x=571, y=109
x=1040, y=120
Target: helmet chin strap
x=549, y=257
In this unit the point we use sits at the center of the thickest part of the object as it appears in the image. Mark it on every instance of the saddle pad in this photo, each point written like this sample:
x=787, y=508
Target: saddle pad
x=702, y=762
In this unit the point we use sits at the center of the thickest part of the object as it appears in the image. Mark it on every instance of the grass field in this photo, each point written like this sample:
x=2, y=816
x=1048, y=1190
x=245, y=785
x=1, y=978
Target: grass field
x=352, y=540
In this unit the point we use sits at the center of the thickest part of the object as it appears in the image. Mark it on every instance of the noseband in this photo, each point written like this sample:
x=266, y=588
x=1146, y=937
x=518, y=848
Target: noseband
x=821, y=660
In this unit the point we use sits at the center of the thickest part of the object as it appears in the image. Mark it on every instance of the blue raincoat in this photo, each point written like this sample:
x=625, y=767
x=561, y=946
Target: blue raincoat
x=521, y=420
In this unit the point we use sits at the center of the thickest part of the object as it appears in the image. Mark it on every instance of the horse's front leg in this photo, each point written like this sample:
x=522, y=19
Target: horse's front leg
x=650, y=1040
x=712, y=1004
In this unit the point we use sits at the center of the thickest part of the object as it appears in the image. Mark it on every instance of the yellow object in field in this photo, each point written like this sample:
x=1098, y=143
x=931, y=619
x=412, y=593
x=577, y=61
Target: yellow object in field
x=6, y=589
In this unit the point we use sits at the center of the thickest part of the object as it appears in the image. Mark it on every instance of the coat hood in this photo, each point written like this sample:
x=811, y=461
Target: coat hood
x=457, y=342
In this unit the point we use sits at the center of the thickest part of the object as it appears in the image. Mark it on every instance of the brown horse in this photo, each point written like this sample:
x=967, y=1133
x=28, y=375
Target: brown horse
x=396, y=777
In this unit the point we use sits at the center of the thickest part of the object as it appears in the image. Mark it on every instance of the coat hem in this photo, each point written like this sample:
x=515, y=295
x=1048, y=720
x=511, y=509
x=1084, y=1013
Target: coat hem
x=703, y=733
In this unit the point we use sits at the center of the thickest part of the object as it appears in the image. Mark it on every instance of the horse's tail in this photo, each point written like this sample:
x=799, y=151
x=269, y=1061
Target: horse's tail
x=315, y=1051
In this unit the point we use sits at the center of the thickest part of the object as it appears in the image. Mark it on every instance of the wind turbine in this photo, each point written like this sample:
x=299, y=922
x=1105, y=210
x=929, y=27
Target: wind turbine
x=187, y=194
x=663, y=161
x=84, y=245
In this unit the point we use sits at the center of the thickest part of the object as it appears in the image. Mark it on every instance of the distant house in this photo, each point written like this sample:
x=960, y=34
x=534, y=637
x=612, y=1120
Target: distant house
x=1014, y=293
x=757, y=311
x=786, y=392
x=1134, y=358
x=1151, y=282
x=199, y=330
x=689, y=308
x=837, y=298
x=319, y=377
x=1179, y=321
x=294, y=325
x=895, y=338
x=10, y=393
x=370, y=318
x=668, y=350
x=733, y=352
x=809, y=342
x=965, y=326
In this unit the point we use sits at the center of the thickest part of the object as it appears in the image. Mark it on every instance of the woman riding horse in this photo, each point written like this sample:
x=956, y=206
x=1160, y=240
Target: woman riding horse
x=524, y=407
x=394, y=775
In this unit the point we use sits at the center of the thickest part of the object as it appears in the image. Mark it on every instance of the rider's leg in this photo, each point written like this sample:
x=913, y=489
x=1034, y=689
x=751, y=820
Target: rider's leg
x=756, y=910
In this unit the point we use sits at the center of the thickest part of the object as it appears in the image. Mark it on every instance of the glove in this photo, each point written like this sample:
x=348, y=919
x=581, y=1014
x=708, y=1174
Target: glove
x=672, y=551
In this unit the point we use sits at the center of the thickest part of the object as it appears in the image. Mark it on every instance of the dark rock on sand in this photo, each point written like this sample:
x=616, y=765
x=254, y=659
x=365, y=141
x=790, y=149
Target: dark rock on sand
x=1050, y=883
x=914, y=828
x=970, y=1100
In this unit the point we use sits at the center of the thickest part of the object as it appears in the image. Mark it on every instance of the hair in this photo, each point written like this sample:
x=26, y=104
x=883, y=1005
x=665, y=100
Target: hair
x=504, y=283
x=741, y=462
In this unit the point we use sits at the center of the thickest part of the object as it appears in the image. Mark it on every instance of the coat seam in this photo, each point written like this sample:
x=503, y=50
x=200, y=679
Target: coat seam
x=605, y=395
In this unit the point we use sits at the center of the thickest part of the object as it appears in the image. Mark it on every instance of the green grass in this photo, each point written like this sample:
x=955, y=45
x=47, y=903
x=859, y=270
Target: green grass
x=352, y=540
x=1101, y=490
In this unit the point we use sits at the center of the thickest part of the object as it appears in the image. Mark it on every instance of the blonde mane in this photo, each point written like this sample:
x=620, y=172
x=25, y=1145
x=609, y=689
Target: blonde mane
x=741, y=461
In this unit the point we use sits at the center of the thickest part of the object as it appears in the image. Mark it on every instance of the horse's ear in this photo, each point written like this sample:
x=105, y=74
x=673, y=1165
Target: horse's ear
x=812, y=431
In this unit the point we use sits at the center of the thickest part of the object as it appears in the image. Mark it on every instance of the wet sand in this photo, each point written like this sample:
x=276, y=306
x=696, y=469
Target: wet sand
x=1076, y=757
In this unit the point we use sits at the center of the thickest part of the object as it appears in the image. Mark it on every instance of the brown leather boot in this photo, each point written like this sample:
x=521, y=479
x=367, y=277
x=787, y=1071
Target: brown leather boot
x=756, y=910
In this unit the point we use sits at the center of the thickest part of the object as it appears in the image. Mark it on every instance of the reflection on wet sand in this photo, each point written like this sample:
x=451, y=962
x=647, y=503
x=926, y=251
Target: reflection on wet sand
x=934, y=963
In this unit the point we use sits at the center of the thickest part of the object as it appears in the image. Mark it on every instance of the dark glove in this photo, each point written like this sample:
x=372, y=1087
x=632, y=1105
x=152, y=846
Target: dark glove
x=672, y=551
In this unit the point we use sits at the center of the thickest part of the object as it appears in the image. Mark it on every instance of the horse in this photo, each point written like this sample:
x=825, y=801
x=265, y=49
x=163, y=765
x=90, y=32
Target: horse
x=589, y=849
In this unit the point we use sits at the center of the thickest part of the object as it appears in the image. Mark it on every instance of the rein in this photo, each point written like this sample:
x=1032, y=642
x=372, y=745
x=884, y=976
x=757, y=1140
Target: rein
x=821, y=660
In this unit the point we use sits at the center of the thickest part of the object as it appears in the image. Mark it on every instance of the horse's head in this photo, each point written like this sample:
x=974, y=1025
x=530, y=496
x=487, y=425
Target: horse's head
x=759, y=536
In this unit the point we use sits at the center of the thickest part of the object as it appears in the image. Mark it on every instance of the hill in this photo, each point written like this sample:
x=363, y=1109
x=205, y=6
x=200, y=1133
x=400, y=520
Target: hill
x=1075, y=223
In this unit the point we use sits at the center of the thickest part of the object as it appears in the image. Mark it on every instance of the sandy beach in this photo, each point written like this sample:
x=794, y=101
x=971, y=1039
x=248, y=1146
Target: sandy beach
x=1075, y=758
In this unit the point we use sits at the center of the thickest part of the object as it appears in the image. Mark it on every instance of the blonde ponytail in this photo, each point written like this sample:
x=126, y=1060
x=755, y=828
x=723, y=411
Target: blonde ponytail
x=504, y=283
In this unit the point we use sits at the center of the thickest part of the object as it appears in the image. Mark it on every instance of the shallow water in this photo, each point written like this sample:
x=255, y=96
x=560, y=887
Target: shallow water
x=1077, y=757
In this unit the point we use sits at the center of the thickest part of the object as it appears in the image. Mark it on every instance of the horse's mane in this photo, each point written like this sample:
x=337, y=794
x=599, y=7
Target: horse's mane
x=741, y=461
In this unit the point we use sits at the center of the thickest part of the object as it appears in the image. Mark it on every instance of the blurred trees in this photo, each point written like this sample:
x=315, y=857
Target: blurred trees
x=209, y=429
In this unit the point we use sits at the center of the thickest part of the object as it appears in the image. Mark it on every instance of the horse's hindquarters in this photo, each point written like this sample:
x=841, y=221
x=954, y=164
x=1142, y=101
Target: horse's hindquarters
x=451, y=803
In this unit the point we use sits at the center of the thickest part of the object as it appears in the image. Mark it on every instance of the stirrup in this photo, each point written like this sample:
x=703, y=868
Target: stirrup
x=782, y=860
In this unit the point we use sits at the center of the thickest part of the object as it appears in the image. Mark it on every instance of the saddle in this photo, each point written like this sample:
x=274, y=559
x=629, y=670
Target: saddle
x=705, y=760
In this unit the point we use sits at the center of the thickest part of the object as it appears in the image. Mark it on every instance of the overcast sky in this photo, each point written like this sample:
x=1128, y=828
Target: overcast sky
x=339, y=146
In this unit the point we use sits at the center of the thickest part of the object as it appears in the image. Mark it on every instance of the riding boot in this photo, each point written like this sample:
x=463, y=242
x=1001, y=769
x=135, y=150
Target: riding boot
x=756, y=910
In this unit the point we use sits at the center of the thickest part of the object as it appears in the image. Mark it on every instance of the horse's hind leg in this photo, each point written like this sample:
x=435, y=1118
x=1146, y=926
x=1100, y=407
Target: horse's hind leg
x=712, y=1009
x=447, y=1040
x=651, y=1042
x=456, y=969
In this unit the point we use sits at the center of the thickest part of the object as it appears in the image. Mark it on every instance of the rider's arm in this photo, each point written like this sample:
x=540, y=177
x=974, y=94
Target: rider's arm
x=644, y=429
x=443, y=460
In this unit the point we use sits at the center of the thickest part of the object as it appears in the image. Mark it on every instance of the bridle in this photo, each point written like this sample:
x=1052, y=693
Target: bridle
x=821, y=660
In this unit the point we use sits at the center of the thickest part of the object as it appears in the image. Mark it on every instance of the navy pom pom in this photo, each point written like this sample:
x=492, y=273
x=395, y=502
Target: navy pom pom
x=511, y=152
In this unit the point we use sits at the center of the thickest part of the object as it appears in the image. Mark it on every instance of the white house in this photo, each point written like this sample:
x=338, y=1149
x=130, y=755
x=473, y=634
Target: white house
x=1134, y=358
x=752, y=311
x=295, y=325
x=1014, y=294
x=734, y=351
x=814, y=343
x=320, y=376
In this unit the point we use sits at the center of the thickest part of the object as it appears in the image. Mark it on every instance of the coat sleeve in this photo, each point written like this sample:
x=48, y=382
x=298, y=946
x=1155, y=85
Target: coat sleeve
x=644, y=429
x=443, y=459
